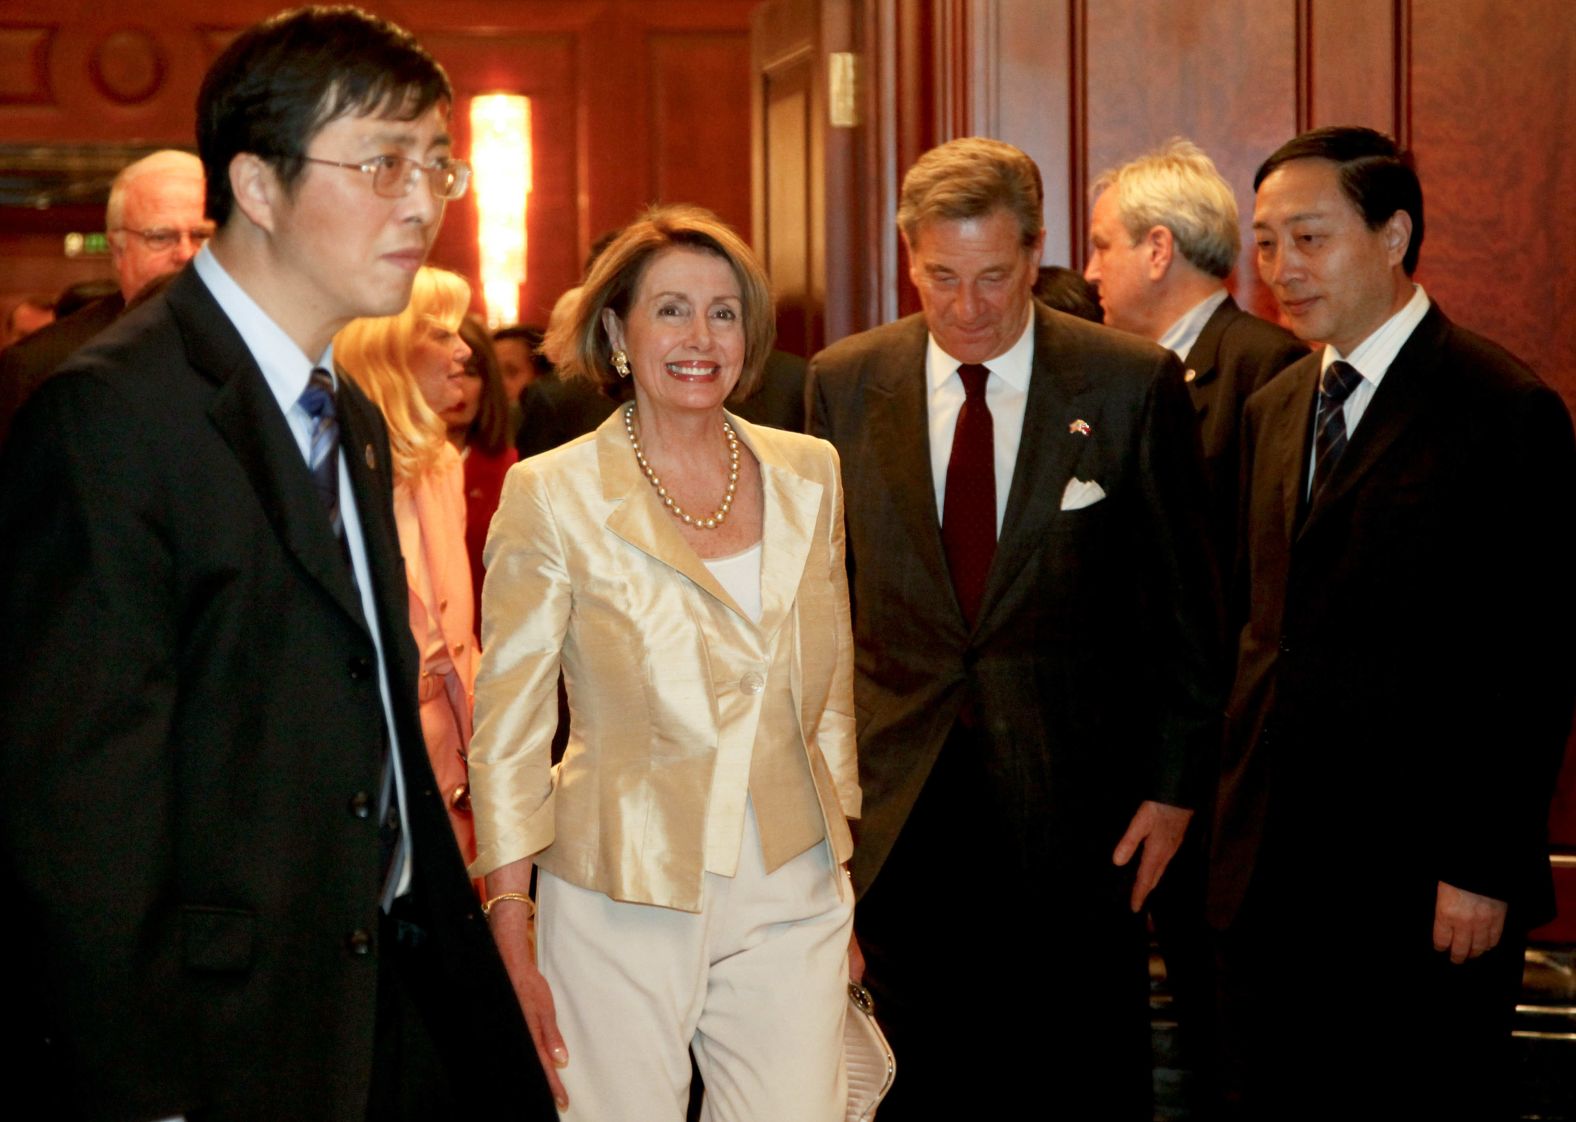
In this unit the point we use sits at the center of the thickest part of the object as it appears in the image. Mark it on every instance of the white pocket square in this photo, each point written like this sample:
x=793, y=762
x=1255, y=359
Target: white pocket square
x=1081, y=493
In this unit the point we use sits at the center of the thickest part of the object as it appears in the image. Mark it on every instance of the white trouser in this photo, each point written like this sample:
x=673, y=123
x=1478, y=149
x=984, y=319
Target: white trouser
x=757, y=982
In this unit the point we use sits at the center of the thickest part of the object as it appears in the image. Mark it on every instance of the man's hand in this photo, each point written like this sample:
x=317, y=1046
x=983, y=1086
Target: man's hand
x=1466, y=924
x=1158, y=829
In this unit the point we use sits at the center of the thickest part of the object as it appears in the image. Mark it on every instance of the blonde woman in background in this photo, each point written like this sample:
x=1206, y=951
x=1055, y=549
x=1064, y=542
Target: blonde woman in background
x=412, y=365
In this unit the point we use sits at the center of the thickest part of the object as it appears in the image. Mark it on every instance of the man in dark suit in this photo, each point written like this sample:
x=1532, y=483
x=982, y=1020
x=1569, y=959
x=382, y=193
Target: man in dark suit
x=155, y=224
x=1036, y=635
x=1405, y=678
x=232, y=888
x=1163, y=239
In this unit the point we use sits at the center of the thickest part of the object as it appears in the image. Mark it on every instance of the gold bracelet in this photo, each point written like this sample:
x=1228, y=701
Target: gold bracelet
x=520, y=896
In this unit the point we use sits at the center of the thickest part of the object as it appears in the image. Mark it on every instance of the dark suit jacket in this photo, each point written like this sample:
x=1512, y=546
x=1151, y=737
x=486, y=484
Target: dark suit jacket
x=1405, y=680
x=27, y=365
x=778, y=401
x=1234, y=355
x=193, y=744
x=1093, y=663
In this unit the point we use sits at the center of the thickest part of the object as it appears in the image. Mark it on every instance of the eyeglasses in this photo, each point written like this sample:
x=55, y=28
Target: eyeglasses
x=394, y=177
x=161, y=238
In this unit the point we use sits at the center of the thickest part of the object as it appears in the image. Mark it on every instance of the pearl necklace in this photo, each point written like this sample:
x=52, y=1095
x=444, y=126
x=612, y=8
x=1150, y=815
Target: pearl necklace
x=700, y=523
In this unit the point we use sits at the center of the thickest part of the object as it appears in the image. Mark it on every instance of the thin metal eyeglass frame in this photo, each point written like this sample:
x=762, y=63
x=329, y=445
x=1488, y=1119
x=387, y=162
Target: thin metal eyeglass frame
x=161, y=238
x=406, y=182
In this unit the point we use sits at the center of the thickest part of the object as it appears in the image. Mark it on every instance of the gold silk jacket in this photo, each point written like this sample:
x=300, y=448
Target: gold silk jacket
x=587, y=571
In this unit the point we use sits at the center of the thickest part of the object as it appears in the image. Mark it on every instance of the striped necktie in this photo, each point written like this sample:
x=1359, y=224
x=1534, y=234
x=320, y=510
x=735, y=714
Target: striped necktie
x=1329, y=441
x=318, y=401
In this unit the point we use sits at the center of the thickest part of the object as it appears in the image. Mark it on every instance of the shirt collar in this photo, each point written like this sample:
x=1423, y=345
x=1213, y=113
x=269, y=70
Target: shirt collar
x=286, y=368
x=1373, y=356
x=1181, y=335
x=1013, y=365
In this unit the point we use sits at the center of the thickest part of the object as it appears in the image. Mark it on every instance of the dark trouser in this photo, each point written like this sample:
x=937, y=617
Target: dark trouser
x=410, y=1071
x=1176, y=907
x=998, y=988
x=1352, y=1013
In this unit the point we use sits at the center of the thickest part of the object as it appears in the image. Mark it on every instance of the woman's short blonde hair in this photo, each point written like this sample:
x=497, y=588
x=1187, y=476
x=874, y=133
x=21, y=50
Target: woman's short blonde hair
x=580, y=346
x=375, y=353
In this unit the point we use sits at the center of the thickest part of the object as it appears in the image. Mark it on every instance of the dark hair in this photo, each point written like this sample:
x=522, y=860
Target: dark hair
x=1375, y=174
x=532, y=335
x=580, y=342
x=490, y=430
x=1067, y=291
x=282, y=80
x=532, y=338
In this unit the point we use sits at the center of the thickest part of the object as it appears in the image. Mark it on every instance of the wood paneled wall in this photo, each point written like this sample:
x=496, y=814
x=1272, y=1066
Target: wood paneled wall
x=1484, y=92
x=632, y=102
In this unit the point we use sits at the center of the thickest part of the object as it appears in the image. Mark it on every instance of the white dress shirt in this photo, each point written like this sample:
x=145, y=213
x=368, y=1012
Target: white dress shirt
x=287, y=369
x=1372, y=358
x=1006, y=396
x=1181, y=335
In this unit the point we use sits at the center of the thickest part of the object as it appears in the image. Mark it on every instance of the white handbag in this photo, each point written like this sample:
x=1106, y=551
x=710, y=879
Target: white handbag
x=867, y=1055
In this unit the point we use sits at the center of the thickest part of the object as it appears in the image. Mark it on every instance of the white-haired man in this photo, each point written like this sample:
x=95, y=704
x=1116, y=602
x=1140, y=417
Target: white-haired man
x=1163, y=239
x=155, y=225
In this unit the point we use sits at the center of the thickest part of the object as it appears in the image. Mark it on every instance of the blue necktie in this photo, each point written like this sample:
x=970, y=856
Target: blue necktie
x=1329, y=441
x=318, y=401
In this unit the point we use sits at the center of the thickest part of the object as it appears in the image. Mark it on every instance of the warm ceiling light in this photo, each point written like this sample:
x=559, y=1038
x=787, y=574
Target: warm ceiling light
x=501, y=157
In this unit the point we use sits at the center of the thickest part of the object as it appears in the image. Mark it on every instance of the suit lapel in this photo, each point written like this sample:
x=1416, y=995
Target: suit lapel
x=899, y=426
x=1203, y=357
x=372, y=483
x=1048, y=453
x=1288, y=430
x=792, y=506
x=1391, y=411
x=247, y=415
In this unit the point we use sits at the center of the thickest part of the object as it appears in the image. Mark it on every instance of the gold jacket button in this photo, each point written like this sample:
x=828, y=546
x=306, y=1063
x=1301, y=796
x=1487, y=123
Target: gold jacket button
x=752, y=683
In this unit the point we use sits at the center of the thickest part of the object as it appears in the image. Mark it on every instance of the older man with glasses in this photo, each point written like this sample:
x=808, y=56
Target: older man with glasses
x=155, y=225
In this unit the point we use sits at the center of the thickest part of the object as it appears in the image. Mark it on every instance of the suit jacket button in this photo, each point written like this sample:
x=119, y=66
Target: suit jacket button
x=752, y=683
x=359, y=942
x=360, y=805
x=1285, y=645
x=360, y=668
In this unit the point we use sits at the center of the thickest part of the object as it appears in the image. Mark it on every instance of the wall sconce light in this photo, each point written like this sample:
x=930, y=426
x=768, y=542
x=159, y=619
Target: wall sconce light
x=501, y=157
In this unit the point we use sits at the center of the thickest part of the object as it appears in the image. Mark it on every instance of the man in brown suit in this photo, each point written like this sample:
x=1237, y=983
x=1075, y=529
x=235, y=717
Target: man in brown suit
x=1036, y=657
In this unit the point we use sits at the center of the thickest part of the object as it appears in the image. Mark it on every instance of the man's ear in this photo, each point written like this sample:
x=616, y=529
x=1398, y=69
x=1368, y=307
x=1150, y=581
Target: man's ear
x=256, y=189
x=1160, y=246
x=1397, y=236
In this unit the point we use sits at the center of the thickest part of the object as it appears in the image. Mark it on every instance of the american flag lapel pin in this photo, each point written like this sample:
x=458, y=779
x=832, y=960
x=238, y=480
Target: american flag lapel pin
x=1080, y=426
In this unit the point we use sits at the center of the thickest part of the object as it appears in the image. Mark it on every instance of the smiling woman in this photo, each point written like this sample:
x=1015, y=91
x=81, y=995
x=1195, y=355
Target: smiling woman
x=412, y=366
x=694, y=831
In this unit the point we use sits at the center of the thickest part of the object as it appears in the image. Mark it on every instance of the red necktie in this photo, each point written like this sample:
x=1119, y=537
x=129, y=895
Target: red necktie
x=968, y=510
